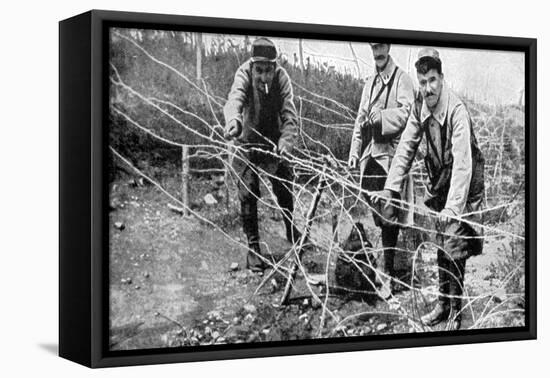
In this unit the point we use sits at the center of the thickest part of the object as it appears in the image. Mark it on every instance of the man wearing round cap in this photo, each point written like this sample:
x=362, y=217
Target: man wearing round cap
x=455, y=167
x=260, y=115
x=386, y=102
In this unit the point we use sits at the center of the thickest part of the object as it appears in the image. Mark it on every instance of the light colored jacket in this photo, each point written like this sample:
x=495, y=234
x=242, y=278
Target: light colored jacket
x=265, y=119
x=465, y=186
x=394, y=105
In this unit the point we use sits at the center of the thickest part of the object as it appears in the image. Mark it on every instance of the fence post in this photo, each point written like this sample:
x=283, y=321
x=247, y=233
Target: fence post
x=227, y=173
x=198, y=45
x=356, y=60
x=185, y=179
x=301, y=51
x=335, y=221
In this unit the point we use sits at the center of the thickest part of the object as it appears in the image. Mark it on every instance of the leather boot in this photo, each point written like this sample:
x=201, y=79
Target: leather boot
x=286, y=204
x=455, y=315
x=389, y=241
x=438, y=314
x=386, y=279
x=249, y=217
x=253, y=260
x=442, y=308
x=456, y=289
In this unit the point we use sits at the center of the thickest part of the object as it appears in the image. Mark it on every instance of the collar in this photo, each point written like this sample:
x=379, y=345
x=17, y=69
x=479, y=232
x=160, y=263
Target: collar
x=440, y=111
x=388, y=71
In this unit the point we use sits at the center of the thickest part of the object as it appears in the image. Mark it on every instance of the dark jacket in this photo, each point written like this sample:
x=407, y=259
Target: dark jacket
x=268, y=120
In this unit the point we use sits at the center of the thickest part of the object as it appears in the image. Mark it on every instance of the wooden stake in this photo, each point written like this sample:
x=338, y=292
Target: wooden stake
x=356, y=60
x=301, y=50
x=335, y=224
x=227, y=174
x=185, y=179
x=176, y=209
x=305, y=234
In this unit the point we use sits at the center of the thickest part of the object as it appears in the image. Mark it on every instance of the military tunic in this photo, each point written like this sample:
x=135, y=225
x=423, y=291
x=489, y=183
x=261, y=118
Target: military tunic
x=453, y=162
x=391, y=92
x=269, y=122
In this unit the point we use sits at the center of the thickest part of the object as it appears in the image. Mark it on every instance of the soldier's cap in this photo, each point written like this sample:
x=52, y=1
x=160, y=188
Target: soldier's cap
x=429, y=53
x=263, y=50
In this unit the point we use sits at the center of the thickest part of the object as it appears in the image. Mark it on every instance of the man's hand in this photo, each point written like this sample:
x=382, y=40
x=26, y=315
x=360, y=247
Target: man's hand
x=446, y=216
x=284, y=149
x=233, y=129
x=382, y=195
x=353, y=162
x=388, y=210
x=375, y=118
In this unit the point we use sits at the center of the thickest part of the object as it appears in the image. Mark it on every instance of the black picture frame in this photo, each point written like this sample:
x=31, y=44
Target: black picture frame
x=83, y=198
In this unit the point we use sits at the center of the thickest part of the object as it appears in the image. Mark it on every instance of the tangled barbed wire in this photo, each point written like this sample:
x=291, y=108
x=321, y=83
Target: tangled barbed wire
x=342, y=192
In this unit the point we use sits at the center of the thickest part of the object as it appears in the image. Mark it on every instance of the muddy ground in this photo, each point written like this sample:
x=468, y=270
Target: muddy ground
x=172, y=283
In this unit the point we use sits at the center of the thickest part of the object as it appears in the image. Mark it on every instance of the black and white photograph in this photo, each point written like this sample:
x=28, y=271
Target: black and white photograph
x=265, y=189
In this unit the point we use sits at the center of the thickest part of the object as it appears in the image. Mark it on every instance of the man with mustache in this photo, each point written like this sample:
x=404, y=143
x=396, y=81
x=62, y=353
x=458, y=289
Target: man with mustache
x=386, y=103
x=260, y=115
x=455, y=168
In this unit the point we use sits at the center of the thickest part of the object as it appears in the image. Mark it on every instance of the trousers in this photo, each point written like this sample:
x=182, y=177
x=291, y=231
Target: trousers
x=248, y=184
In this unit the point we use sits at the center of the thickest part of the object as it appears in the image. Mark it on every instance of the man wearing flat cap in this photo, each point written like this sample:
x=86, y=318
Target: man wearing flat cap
x=455, y=167
x=386, y=102
x=260, y=115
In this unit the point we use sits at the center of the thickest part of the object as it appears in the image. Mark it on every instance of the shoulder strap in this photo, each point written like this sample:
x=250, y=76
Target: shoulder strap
x=390, y=84
x=418, y=103
x=384, y=85
x=445, y=136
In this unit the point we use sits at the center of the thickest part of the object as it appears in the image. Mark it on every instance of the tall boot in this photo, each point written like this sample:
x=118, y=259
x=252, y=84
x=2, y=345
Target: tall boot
x=253, y=260
x=249, y=217
x=456, y=289
x=441, y=310
x=283, y=192
x=389, y=241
